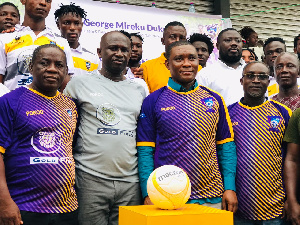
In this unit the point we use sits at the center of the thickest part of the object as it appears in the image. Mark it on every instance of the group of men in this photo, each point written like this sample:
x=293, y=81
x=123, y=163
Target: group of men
x=233, y=155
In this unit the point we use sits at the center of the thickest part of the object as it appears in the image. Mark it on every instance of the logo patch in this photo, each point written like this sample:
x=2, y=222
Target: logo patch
x=52, y=43
x=142, y=115
x=69, y=111
x=108, y=114
x=209, y=103
x=275, y=122
x=88, y=65
x=47, y=140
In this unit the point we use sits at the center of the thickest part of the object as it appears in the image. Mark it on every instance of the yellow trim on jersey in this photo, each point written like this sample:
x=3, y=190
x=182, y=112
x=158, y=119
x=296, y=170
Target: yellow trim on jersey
x=225, y=141
x=287, y=108
x=255, y=107
x=2, y=150
x=81, y=64
x=184, y=93
x=38, y=93
x=151, y=144
x=23, y=41
x=45, y=40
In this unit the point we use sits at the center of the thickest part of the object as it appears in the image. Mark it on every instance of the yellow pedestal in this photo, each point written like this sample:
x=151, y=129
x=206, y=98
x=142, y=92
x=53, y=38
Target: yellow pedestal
x=187, y=215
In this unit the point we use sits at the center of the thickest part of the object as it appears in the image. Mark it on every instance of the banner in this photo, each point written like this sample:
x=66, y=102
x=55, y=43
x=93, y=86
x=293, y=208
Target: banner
x=149, y=22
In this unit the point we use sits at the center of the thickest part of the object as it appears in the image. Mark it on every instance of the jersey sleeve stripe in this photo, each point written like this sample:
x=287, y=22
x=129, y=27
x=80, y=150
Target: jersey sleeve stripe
x=151, y=144
x=2, y=150
x=224, y=141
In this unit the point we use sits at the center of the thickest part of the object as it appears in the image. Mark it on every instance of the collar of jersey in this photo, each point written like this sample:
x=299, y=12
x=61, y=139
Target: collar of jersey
x=78, y=49
x=162, y=58
x=172, y=85
x=19, y=27
x=40, y=94
x=252, y=108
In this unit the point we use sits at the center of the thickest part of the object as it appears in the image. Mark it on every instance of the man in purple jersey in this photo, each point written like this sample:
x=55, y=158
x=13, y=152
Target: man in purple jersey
x=259, y=125
x=37, y=169
x=188, y=125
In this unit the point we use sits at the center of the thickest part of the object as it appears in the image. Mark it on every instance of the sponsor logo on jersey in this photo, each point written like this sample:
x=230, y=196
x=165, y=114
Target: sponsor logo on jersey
x=110, y=131
x=209, y=103
x=34, y=112
x=274, y=122
x=168, y=108
x=235, y=123
x=50, y=160
x=43, y=160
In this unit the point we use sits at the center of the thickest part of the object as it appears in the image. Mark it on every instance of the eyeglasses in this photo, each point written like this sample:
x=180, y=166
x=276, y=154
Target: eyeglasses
x=252, y=76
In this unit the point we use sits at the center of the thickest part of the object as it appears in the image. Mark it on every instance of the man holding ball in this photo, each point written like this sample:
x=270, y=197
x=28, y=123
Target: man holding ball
x=188, y=125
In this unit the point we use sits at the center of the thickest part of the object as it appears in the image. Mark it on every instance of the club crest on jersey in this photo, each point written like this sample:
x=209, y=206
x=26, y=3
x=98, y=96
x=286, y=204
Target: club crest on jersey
x=88, y=65
x=274, y=122
x=69, y=111
x=108, y=114
x=209, y=103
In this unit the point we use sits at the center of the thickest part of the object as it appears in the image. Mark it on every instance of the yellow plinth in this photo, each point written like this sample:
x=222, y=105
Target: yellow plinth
x=187, y=215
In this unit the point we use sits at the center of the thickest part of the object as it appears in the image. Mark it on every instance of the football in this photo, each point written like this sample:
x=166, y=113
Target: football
x=169, y=187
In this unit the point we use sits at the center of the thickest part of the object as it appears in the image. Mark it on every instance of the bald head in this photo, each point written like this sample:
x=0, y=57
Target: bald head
x=115, y=50
x=286, y=70
x=292, y=57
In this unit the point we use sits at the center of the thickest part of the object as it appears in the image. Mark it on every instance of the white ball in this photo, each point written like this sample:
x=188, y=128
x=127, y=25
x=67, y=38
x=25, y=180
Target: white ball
x=169, y=187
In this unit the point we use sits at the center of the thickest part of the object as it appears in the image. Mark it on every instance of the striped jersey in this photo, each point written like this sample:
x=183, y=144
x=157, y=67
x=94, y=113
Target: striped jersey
x=36, y=135
x=258, y=137
x=16, y=52
x=184, y=128
x=84, y=61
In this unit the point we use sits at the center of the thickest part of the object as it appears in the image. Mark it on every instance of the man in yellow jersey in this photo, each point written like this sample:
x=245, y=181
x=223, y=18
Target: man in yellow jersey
x=155, y=72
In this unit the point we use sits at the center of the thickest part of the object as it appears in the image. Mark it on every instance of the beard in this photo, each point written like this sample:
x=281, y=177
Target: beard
x=230, y=59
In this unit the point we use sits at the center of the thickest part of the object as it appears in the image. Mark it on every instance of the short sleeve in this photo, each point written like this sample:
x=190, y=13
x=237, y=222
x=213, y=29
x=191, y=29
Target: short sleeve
x=292, y=134
x=3, y=59
x=224, y=127
x=146, y=127
x=6, y=124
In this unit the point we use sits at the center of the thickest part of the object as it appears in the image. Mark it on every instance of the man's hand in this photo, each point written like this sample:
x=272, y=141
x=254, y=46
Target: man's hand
x=10, y=213
x=147, y=201
x=293, y=213
x=137, y=72
x=10, y=30
x=229, y=201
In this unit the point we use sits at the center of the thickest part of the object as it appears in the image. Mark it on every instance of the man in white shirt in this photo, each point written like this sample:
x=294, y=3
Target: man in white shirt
x=224, y=75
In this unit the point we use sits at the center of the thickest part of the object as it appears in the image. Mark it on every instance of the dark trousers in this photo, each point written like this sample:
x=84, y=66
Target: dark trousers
x=33, y=218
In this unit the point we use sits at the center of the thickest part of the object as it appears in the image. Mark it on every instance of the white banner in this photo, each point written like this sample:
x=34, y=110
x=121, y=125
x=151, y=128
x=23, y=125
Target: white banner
x=149, y=22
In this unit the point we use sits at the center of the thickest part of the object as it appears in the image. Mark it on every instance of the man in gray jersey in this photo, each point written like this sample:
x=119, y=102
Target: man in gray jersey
x=105, y=152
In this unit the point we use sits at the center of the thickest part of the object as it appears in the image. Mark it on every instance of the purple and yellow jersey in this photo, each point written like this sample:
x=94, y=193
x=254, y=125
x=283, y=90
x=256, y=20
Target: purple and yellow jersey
x=184, y=128
x=36, y=135
x=258, y=137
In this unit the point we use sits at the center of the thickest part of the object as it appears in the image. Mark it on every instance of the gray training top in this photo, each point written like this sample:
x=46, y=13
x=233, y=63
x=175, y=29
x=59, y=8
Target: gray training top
x=108, y=113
